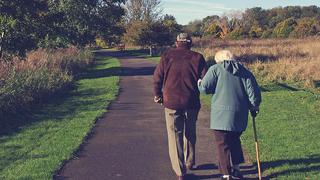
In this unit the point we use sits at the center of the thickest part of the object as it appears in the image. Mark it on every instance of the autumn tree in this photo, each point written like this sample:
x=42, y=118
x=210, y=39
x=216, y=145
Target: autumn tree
x=284, y=28
x=29, y=24
x=306, y=27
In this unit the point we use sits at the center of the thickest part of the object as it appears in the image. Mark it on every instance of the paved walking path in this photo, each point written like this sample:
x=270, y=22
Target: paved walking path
x=130, y=141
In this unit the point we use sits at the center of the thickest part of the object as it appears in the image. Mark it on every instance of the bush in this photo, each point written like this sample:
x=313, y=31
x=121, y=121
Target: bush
x=41, y=75
x=101, y=43
x=266, y=34
x=306, y=27
x=283, y=29
x=235, y=34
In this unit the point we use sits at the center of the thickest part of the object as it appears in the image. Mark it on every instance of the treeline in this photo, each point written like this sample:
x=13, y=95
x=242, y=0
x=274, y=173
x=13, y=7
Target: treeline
x=280, y=22
x=50, y=36
x=145, y=25
x=29, y=24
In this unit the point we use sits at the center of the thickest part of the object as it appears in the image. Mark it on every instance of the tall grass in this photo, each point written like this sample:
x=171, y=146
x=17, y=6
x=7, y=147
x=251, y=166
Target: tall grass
x=287, y=60
x=42, y=74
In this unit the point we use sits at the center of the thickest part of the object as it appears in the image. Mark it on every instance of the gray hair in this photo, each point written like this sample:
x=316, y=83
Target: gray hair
x=223, y=55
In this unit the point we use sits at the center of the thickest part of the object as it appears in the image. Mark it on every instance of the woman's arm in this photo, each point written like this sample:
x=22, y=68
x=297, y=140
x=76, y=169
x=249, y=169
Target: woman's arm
x=208, y=84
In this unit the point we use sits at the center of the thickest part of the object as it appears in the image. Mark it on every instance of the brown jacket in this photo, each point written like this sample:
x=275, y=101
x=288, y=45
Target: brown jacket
x=176, y=76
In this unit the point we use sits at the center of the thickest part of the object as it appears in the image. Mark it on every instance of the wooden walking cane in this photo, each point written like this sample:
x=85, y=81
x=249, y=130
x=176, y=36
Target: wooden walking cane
x=254, y=114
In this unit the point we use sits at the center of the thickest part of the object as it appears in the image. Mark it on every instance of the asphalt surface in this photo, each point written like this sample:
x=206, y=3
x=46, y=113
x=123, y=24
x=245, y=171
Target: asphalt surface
x=130, y=141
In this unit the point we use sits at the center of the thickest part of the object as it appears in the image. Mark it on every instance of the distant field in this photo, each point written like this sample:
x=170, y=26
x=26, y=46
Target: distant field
x=288, y=124
x=289, y=60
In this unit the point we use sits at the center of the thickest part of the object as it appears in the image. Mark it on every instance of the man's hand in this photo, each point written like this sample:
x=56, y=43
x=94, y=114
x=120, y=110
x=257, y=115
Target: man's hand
x=158, y=99
x=199, y=82
x=254, y=111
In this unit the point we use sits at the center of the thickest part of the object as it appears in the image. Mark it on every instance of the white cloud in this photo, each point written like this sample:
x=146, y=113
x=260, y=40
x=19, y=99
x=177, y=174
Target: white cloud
x=193, y=11
x=196, y=3
x=188, y=10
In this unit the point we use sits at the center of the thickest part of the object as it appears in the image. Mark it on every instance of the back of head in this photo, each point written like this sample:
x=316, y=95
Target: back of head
x=184, y=40
x=223, y=55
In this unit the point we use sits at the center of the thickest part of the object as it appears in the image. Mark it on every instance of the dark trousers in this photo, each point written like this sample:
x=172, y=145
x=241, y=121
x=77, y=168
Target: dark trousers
x=228, y=150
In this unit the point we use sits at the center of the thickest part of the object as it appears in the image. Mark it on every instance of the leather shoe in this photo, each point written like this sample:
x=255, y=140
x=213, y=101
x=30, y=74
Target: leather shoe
x=236, y=174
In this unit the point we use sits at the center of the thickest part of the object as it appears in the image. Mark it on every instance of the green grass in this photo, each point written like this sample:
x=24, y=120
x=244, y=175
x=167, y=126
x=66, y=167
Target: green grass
x=54, y=132
x=288, y=132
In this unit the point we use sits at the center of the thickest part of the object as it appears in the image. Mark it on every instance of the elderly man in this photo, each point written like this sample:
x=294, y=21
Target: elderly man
x=235, y=92
x=175, y=85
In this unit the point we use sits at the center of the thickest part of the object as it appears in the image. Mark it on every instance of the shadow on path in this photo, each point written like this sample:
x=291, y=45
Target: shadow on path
x=126, y=53
x=118, y=71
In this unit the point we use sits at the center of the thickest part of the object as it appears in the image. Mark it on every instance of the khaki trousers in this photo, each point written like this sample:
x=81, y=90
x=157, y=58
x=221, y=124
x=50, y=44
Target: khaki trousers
x=181, y=129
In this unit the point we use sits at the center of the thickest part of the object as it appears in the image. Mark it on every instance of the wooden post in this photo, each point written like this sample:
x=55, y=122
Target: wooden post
x=257, y=146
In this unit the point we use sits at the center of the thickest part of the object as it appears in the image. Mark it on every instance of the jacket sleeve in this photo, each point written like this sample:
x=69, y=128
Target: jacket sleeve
x=209, y=82
x=253, y=91
x=158, y=77
x=203, y=67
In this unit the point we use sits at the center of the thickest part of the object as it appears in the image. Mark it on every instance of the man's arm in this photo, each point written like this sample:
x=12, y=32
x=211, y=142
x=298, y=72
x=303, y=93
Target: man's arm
x=158, y=77
x=203, y=67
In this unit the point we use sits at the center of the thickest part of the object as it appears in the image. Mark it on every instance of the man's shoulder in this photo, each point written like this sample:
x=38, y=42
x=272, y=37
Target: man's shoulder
x=197, y=55
x=195, y=52
x=168, y=51
x=180, y=51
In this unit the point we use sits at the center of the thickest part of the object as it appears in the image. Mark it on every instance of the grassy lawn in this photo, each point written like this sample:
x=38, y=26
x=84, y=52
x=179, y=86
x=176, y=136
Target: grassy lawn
x=288, y=129
x=54, y=131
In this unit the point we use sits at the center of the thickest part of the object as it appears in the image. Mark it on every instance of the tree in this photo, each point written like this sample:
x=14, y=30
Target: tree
x=6, y=25
x=20, y=25
x=255, y=31
x=28, y=24
x=85, y=20
x=306, y=27
x=254, y=17
x=140, y=17
x=143, y=10
x=214, y=30
x=194, y=28
x=143, y=34
x=172, y=26
x=236, y=33
x=134, y=30
x=283, y=29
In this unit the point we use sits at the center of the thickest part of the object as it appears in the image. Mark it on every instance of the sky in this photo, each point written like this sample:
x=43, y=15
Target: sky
x=188, y=10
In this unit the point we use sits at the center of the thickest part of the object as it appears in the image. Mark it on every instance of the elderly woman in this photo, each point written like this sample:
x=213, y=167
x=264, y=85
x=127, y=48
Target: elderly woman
x=235, y=92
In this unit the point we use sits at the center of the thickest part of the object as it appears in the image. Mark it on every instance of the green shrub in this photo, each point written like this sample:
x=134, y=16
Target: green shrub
x=235, y=34
x=283, y=29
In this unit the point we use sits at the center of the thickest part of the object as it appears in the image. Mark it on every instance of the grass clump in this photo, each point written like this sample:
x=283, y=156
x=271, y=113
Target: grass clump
x=42, y=74
x=54, y=131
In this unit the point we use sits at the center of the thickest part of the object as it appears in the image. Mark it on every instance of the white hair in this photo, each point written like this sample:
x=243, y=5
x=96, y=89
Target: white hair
x=223, y=55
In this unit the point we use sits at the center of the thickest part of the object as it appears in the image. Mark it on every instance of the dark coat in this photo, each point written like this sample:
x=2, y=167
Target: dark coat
x=176, y=76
